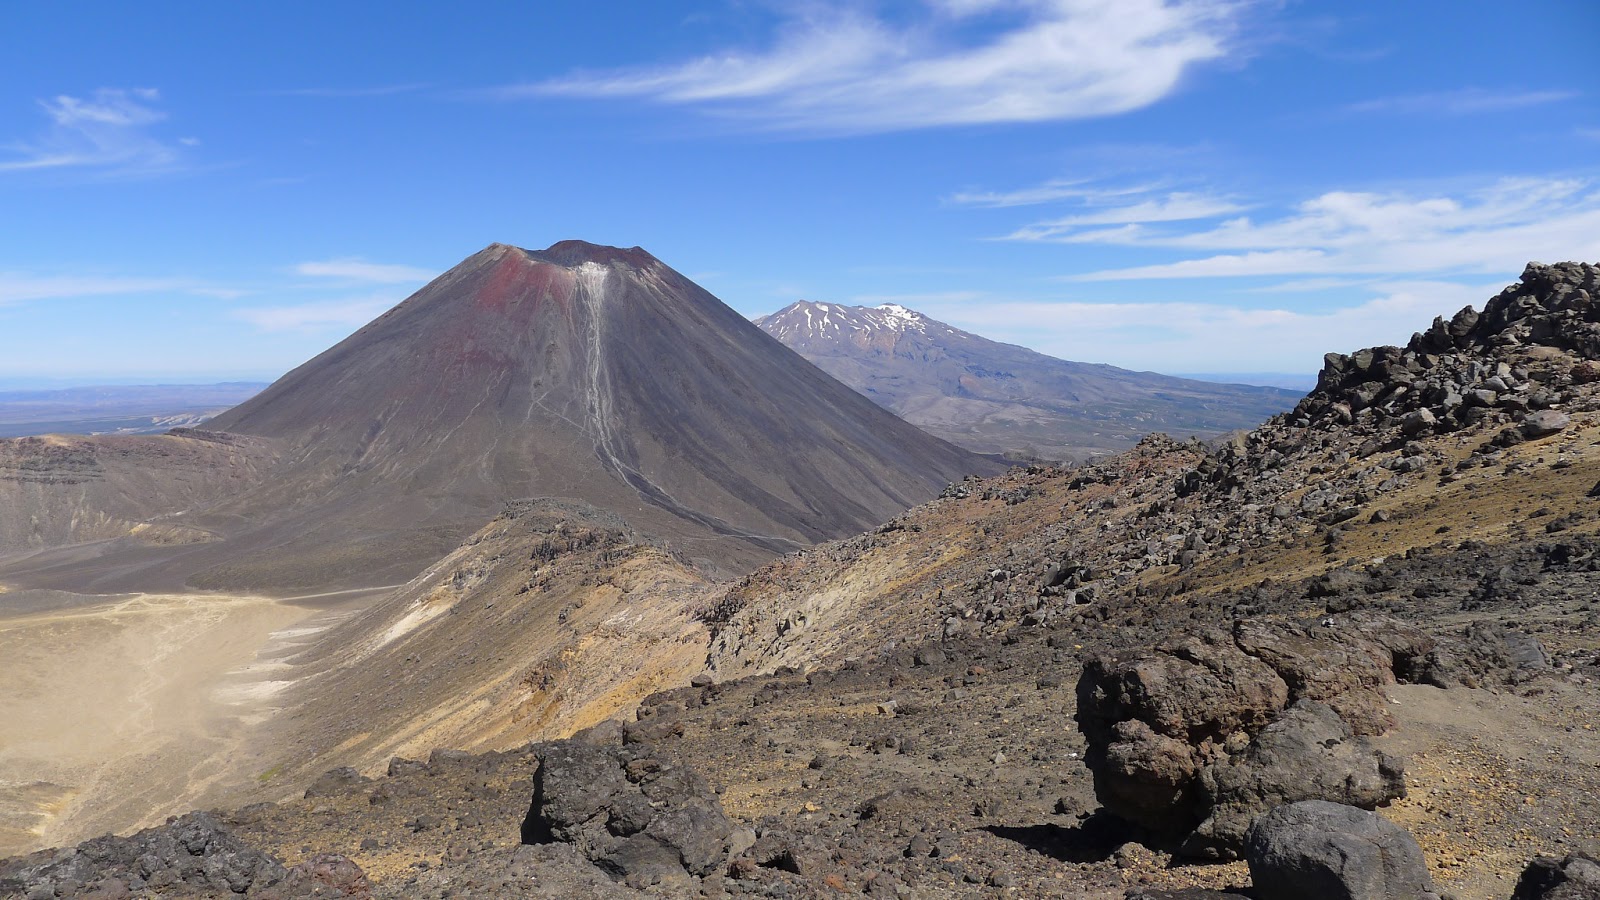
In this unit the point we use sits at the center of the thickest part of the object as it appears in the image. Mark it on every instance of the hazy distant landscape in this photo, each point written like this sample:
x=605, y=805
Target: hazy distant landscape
x=117, y=409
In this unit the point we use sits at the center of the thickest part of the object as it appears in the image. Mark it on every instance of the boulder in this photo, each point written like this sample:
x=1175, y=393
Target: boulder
x=1315, y=850
x=323, y=875
x=640, y=818
x=1194, y=738
x=574, y=792
x=1577, y=877
x=1544, y=423
x=1154, y=719
x=1491, y=652
x=1417, y=422
x=1308, y=754
x=338, y=781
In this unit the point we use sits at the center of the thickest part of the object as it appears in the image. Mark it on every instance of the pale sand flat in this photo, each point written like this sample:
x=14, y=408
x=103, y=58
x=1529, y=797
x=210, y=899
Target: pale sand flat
x=120, y=713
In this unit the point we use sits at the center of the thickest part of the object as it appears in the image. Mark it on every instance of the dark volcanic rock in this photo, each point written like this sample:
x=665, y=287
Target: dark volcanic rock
x=1577, y=877
x=1154, y=720
x=335, y=782
x=1543, y=423
x=1492, y=651
x=323, y=875
x=191, y=856
x=1472, y=367
x=1196, y=738
x=1308, y=754
x=1325, y=851
x=641, y=819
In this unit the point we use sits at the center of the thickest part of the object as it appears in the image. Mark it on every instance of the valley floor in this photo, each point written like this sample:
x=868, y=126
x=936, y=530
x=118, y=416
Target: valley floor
x=122, y=710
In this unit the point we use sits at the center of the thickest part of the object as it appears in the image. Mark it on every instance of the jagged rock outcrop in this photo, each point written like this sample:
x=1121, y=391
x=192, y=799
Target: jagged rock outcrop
x=1195, y=739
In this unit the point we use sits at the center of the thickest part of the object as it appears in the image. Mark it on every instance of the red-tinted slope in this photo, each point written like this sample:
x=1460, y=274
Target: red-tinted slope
x=580, y=371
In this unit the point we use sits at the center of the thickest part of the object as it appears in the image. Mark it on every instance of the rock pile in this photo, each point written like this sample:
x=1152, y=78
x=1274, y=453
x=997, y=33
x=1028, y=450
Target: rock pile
x=190, y=856
x=1511, y=361
x=1195, y=739
x=1523, y=365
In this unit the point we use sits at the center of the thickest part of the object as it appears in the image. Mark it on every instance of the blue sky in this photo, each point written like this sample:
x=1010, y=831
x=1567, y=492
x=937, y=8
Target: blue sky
x=202, y=191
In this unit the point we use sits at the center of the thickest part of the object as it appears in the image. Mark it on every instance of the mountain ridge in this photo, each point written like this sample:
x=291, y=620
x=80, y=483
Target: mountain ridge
x=1004, y=398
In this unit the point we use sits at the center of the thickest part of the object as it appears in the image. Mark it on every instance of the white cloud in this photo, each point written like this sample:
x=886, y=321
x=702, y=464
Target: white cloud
x=17, y=288
x=1051, y=191
x=1206, y=337
x=346, y=313
x=838, y=70
x=1306, y=285
x=1175, y=207
x=1498, y=227
x=109, y=131
x=1466, y=101
x=352, y=269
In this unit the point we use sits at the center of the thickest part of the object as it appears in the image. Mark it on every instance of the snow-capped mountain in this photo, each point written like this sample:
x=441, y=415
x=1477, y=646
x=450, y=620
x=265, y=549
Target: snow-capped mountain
x=1001, y=398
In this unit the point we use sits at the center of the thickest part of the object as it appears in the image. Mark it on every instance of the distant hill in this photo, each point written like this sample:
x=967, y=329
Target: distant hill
x=1000, y=398
x=1300, y=382
x=117, y=409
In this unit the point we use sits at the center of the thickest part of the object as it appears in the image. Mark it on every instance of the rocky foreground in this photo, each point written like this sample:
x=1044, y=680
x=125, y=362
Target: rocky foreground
x=1350, y=654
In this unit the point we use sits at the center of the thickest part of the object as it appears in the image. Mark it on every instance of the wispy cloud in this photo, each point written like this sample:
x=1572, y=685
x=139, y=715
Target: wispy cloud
x=916, y=301
x=111, y=132
x=19, y=288
x=1052, y=191
x=1308, y=285
x=1463, y=102
x=838, y=70
x=345, y=313
x=1187, y=336
x=1174, y=207
x=1496, y=227
x=380, y=90
x=353, y=269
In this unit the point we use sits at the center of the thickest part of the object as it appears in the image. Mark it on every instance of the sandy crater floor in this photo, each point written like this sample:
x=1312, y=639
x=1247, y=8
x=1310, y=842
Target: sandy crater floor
x=119, y=711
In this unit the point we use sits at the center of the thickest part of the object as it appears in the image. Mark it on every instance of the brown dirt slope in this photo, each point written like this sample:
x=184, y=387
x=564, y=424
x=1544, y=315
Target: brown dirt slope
x=61, y=490
x=517, y=635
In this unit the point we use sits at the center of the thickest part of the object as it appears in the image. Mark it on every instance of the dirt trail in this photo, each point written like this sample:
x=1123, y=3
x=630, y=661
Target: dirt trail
x=124, y=710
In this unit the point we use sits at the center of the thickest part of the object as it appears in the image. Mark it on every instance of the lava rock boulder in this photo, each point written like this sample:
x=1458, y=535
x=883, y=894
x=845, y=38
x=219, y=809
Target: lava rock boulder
x=642, y=819
x=1195, y=738
x=1577, y=877
x=1315, y=850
